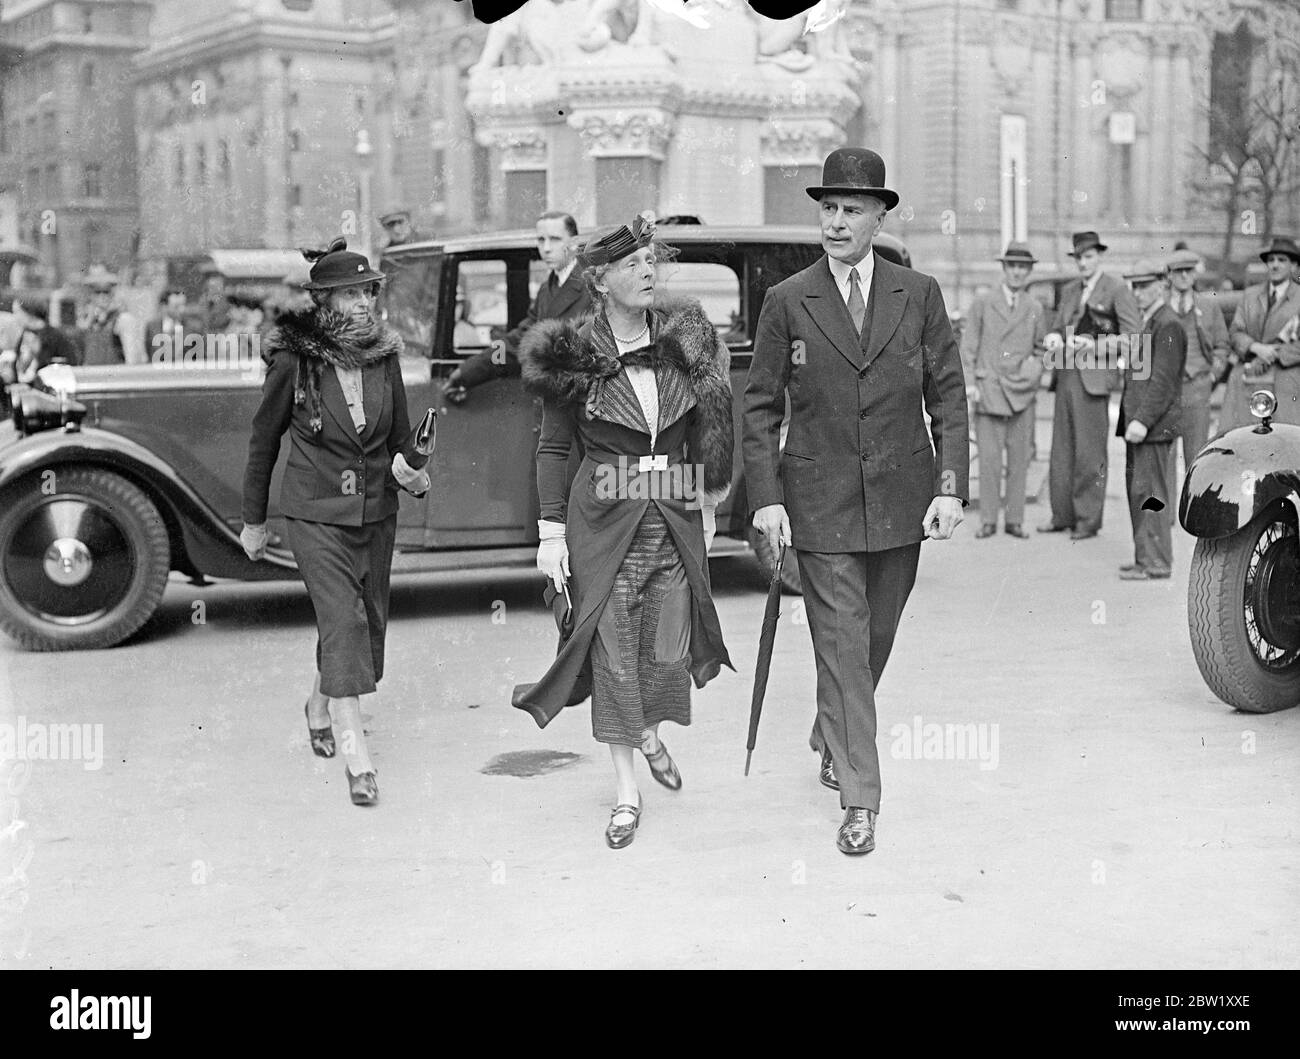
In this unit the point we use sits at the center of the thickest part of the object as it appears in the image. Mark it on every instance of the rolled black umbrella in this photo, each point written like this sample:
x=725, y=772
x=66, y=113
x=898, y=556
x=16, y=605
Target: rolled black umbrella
x=766, y=640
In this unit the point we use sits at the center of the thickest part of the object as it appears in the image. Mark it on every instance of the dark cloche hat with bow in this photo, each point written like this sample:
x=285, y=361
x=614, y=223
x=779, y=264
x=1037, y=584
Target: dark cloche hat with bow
x=854, y=171
x=337, y=266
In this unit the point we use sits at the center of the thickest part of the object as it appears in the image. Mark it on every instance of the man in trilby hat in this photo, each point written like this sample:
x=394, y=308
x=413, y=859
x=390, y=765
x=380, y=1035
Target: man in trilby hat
x=1265, y=336
x=1001, y=348
x=1094, y=306
x=860, y=345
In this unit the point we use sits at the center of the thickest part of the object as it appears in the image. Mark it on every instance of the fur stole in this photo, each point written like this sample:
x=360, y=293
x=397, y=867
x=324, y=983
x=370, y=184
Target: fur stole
x=319, y=337
x=568, y=364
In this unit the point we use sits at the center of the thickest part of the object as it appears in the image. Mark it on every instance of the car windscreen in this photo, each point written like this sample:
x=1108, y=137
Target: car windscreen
x=409, y=300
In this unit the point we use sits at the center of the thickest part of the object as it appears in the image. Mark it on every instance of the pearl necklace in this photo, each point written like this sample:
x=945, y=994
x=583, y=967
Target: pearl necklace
x=635, y=338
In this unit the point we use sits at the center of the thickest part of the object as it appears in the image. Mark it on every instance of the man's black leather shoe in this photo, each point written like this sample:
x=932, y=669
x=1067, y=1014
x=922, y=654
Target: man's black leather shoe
x=986, y=530
x=1014, y=529
x=1082, y=535
x=857, y=833
x=1052, y=528
x=827, y=773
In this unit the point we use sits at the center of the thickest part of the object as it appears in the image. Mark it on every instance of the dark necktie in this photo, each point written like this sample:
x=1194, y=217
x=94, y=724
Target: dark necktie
x=1015, y=299
x=1272, y=297
x=552, y=283
x=857, y=306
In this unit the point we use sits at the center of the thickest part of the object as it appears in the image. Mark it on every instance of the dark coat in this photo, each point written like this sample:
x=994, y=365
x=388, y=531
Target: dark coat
x=1155, y=400
x=334, y=474
x=571, y=301
x=589, y=400
x=859, y=468
x=1002, y=351
x=1112, y=310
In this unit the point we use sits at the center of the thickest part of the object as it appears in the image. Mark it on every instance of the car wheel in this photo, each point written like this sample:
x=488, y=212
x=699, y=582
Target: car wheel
x=790, y=583
x=1243, y=611
x=83, y=562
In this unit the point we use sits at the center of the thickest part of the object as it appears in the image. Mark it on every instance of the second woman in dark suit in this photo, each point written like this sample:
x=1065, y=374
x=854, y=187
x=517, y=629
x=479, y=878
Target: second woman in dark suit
x=335, y=384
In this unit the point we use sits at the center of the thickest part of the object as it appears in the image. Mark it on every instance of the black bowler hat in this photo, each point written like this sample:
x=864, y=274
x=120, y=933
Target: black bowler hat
x=337, y=266
x=854, y=171
x=1018, y=254
x=1087, y=241
x=1281, y=245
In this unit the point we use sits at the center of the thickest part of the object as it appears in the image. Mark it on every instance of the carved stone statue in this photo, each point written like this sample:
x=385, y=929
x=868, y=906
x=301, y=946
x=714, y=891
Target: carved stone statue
x=540, y=32
x=821, y=30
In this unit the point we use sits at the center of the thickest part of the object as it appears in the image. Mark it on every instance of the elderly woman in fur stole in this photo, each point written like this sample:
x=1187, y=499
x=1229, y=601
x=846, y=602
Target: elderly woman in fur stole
x=334, y=382
x=643, y=389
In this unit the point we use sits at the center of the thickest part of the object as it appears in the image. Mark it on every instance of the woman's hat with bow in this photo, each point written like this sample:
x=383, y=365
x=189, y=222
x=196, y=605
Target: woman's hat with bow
x=337, y=266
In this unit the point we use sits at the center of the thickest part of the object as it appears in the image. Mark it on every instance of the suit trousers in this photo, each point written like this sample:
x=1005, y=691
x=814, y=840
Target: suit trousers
x=854, y=601
x=1014, y=434
x=1077, y=474
x=1146, y=475
x=346, y=570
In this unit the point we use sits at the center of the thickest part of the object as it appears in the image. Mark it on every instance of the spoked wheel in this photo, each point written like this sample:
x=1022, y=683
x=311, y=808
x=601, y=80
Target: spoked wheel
x=1243, y=609
x=84, y=557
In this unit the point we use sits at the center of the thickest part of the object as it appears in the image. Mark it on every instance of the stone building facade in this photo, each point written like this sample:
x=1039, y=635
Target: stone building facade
x=67, y=139
x=250, y=117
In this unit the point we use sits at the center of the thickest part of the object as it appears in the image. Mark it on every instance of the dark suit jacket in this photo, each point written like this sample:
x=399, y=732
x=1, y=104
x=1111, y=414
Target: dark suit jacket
x=859, y=468
x=570, y=300
x=1112, y=310
x=1154, y=399
x=345, y=478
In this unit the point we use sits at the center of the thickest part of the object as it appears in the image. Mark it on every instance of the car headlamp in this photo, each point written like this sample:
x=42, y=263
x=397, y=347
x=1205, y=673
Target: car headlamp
x=1263, y=404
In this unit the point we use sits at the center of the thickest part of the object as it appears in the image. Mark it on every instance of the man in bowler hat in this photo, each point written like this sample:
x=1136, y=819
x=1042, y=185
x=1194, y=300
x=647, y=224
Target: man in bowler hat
x=1001, y=348
x=1265, y=336
x=1094, y=307
x=860, y=345
x=1149, y=424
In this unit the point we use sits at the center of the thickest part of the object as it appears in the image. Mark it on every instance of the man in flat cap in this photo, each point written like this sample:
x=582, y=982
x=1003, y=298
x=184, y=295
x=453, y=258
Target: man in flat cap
x=1207, y=350
x=398, y=226
x=1001, y=349
x=1265, y=336
x=1148, y=423
x=1094, y=306
x=860, y=345
x=109, y=333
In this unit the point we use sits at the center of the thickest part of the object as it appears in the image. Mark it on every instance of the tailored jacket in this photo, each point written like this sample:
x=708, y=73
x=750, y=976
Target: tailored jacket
x=859, y=468
x=1155, y=399
x=1002, y=351
x=1254, y=323
x=1112, y=310
x=333, y=475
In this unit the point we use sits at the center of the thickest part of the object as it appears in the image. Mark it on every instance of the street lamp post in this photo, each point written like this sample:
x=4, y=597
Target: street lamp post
x=365, y=154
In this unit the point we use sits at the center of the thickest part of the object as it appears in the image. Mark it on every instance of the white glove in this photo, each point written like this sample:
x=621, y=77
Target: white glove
x=553, y=553
x=253, y=538
x=413, y=481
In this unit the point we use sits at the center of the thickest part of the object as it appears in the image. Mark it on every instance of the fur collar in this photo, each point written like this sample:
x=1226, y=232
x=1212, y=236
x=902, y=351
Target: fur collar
x=561, y=360
x=335, y=338
x=577, y=365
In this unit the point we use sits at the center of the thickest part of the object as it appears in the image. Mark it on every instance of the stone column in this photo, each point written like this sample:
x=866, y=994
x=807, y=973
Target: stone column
x=1160, y=143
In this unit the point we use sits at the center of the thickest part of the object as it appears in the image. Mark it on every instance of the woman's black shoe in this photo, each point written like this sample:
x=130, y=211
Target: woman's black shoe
x=619, y=835
x=363, y=787
x=663, y=768
x=322, y=739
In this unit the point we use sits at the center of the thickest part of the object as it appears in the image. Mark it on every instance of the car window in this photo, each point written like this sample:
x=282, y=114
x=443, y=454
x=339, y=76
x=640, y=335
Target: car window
x=409, y=300
x=715, y=286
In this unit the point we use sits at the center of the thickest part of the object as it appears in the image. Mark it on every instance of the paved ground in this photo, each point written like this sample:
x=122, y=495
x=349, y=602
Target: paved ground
x=1121, y=815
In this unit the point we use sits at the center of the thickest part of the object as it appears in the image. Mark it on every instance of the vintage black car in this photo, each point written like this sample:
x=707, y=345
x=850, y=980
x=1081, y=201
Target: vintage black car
x=1241, y=499
x=113, y=477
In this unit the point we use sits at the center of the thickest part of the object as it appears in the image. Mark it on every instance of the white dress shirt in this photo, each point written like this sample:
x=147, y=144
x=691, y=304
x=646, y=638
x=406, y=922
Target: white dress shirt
x=862, y=271
x=644, y=385
x=350, y=382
